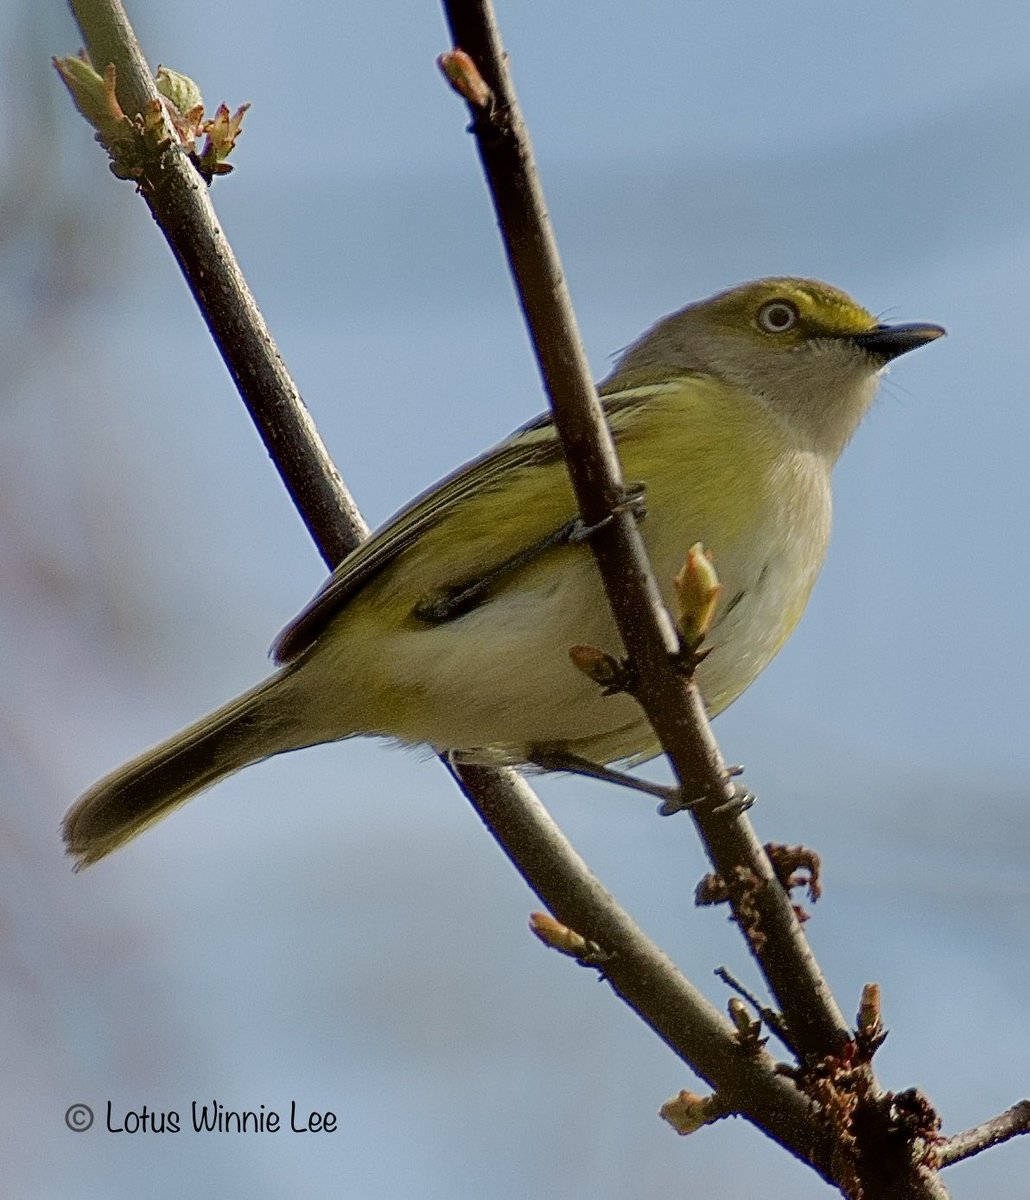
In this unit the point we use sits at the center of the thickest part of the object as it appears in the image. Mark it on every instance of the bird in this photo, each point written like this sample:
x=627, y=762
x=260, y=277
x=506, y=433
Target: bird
x=451, y=626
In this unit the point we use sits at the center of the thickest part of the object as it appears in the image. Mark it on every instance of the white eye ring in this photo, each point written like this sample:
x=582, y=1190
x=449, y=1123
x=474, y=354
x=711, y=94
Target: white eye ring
x=777, y=316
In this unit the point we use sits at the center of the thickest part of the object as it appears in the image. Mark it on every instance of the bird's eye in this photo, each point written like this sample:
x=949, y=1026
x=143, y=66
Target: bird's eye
x=777, y=316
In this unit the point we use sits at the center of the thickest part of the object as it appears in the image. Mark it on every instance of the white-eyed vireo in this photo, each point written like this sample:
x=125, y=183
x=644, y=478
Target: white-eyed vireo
x=452, y=625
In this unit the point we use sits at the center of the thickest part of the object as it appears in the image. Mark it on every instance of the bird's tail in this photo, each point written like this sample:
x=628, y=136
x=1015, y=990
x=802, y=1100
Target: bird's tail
x=254, y=726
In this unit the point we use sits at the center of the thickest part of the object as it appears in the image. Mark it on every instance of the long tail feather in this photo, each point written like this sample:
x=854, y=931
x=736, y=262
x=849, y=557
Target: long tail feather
x=124, y=803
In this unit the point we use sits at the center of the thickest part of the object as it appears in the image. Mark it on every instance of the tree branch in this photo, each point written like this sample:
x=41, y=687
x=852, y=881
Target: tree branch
x=1009, y=1124
x=478, y=69
x=643, y=975
x=181, y=206
x=672, y=704
x=638, y=971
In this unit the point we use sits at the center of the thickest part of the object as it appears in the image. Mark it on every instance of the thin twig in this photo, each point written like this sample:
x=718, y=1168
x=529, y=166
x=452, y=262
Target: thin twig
x=769, y=1016
x=1009, y=1124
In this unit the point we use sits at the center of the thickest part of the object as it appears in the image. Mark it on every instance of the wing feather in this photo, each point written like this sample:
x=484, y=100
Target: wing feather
x=533, y=445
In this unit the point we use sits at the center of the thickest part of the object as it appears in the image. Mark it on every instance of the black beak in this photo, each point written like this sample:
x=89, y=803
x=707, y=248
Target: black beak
x=888, y=341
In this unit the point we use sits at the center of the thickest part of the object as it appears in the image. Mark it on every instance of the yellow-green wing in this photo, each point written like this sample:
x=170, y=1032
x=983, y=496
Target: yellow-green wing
x=534, y=445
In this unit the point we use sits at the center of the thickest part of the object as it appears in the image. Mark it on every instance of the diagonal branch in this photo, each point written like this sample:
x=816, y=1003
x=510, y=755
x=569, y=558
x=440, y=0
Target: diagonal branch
x=182, y=208
x=637, y=969
x=673, y=705
x=645, y=977
x=1009, y=1124
x=479, y=70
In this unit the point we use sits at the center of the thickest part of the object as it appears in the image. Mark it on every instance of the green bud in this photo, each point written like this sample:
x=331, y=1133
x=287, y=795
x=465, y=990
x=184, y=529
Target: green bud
x=93, y=94
x=179, y=89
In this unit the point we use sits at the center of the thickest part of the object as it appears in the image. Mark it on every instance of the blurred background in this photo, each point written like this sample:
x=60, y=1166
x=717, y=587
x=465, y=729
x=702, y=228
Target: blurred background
x=335, y=928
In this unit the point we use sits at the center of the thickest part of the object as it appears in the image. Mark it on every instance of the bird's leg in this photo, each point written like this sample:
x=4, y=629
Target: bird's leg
x=561, y=760
x=455, y=601
x=673, y=798
x=461, y=598
x=734, y=806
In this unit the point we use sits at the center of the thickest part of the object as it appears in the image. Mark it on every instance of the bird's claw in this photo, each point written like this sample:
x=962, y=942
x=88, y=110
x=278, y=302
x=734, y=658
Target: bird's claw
x=734, y=805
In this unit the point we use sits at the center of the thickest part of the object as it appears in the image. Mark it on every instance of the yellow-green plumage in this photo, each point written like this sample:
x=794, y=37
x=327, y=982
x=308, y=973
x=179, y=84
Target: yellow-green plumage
x=731, y=413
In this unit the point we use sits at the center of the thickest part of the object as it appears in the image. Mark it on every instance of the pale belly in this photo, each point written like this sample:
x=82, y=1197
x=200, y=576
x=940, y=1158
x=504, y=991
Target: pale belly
x=497, y=682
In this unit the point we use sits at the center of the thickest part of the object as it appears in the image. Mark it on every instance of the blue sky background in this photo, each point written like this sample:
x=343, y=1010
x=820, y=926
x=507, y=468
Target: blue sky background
x=335, y=927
